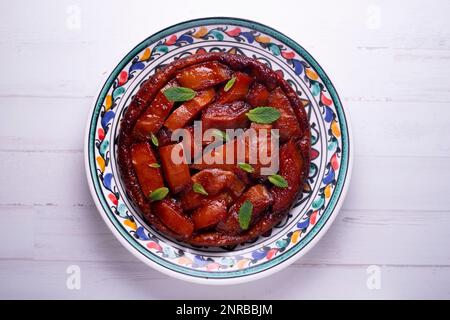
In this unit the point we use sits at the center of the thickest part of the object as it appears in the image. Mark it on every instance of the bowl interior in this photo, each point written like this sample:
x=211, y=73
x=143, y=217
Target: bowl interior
x=329, y=154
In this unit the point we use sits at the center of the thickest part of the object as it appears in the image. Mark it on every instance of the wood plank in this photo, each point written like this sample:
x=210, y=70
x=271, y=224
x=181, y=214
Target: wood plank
x=383, y=183
x=22, y=127
x=17, y=232
x=364, y=23
x=105, y=280
x=404, y=78
x=62, y=174
x=64, y=70
x=394, y=129
x=356, y=237
x=412, y=62
x=384, y=237
x=401, y=75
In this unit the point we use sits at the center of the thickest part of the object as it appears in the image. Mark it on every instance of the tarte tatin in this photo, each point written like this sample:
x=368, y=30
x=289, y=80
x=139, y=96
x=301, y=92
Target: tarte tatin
x=220, y=203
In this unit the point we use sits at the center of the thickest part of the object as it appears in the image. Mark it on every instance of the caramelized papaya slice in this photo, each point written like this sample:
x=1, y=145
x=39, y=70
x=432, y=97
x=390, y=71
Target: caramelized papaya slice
x=189, y=110
x=287, y=123
x=254, y=147
x=191, y=200
x=215, y=182
x=258, y=95
x=175, y=167
x=261, y=152
x=204, y=75
x=209, y=214
x=291, y=167
x=155, y=115
x=171, y=214
x=260, y=198
x=164, y=137
x=226, y=116
x=222, y=157
x=149, y=177
x=238, y=91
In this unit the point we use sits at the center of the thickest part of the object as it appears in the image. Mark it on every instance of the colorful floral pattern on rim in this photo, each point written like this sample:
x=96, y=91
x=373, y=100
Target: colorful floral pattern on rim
x=188, y=38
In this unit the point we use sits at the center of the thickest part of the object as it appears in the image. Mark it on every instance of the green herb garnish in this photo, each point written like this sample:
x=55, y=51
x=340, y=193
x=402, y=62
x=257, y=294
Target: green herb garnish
x=175, y=94
x=245, y=214
x=278, y=180
x=154, y=140
x=158, y=194
x=246, y=167
x=263, y=115
x=229, y=84
x=198, y=188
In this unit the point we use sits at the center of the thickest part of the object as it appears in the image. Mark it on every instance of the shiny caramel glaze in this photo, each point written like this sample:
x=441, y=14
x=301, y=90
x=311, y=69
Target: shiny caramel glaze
x=205, y=223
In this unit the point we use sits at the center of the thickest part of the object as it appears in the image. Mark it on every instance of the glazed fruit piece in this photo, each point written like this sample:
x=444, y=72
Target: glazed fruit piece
x=155, y=115
x=287, y=123
x=204, y=75
x=224, y=116
x=238, y=90
x=171, y=214
x=202, y=202
x=149, y=176
x=260, y=198
x=263, y=147
x=164, y=137
x=258, y=143
x=291, y=169
x=174, y=164
x=258, y=95
x=214, y=182
x=210, y=214
x=184, y=114
x=191, y=200
x=222, y=157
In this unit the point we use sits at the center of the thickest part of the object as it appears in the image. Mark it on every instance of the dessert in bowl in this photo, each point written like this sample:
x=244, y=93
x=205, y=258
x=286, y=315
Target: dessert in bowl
x=244, y=80
x=204, y=99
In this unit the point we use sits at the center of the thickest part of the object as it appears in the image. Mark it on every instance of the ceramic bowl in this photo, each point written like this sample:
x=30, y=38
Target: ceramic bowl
x=316, y=207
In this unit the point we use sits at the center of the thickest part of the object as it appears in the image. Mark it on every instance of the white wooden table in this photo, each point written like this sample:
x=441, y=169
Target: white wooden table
x=390, y=62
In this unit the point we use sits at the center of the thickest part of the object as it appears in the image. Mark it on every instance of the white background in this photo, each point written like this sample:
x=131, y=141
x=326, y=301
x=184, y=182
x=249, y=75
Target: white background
x=390, y=62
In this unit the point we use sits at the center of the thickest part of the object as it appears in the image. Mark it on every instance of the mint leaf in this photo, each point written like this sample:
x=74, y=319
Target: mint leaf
x=198, y=188
x=154, y=165
x=154, y=140
x=278, y=180
x=246, y=167
x=179, y=94
x=158, y=194
x=245, y=214
x=229, y=84
x=263, y=115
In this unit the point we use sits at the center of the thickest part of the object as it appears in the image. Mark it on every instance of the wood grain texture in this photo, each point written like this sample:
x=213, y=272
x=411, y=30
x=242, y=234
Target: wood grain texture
x=350, y=241
x=391, y=66
x=133, y=280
